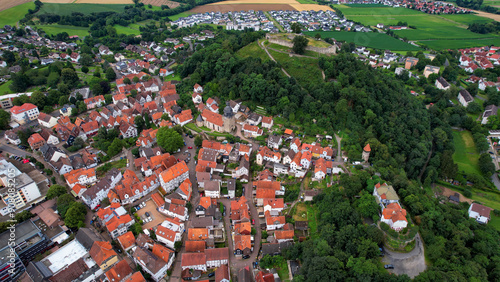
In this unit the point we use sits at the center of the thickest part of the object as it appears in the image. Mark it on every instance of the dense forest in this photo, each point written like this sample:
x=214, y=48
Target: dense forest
x=409, y=144
x=477, y=5
x=373, y=107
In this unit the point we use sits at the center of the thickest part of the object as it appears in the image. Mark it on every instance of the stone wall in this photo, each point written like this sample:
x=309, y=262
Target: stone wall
x=332, y=50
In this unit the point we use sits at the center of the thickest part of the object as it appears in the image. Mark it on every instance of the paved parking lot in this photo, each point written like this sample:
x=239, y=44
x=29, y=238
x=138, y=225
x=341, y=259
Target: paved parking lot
x=150, y=207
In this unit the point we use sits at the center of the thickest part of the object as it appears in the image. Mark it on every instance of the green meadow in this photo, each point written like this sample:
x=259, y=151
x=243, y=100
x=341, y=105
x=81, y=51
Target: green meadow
x=13, y=15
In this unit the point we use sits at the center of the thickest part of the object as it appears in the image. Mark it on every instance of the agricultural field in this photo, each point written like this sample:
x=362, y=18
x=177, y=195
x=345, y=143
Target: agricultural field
x=435, y=31
x=466, y=155
x=263, y=5
x=13, y=14
x=7, y=4
x=460, y=43
x=375, y=10
x=54, y=29
x=368, y=39
x=67, y=9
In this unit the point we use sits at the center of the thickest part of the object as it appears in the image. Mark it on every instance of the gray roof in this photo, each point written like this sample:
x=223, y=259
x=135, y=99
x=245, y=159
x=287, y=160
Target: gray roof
x=202, y=222
x=23, y=231
x=467, y=97
x=231, y=184
x=86, y=237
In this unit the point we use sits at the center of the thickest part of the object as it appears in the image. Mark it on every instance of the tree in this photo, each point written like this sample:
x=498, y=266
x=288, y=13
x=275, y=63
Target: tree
x=108, y=98
x=39, y=99
x=367, y=206
x=169, y=139
x=55, y=191
x=136, y=79
x=4, y=119
x=140, y=123
x=85, y=69
x=299, y=44
x=115, y=147
x=9, y=57
x=110, y=74
x=448, y=167
x=69, y=76
x=198, y=141
x=486, y=165
x=63, y=203
x=126, y=80
x=317, y=36
x=75, y=216
x=472, y=89
x=473, y=107
x=86, y=60
x=296, y=27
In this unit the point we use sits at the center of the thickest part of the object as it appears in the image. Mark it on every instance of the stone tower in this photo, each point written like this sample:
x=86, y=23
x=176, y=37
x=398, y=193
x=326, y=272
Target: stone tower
x=228, y=119
x=366, y=153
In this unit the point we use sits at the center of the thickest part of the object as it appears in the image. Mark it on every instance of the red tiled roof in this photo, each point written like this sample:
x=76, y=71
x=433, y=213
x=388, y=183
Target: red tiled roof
x=192, y=259
x=23, y=108
x=195, y=246
x=118, y=271
x=127, y=239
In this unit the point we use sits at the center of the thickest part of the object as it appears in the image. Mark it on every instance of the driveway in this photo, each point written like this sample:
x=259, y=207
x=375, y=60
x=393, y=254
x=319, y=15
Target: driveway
x=411, y=263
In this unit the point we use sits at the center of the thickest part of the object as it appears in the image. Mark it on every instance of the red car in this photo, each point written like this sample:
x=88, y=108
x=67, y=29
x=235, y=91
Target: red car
x=253, y=221
x=178, y=160
x=190, y=147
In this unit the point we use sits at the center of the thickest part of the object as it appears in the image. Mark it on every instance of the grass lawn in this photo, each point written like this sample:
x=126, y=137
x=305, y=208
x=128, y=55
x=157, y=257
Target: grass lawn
x=54, y=29
x=368, y=10
x=368, y=39
x=193, y=127
x=174, y=76
x=253, y=50
x=4, y=88
x=307, y=2
x=467, y=19
x=312, y=218
x=283, y=271
x=305, y=70
x=68, y=9
x=460, y=43
x=180, y=15
x=466, y=155
x=13, y=15
x=101, y=171
x=126, y=30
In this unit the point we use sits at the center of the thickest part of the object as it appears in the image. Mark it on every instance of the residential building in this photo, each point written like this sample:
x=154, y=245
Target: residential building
x=212, y=188
x=24, y=113
x=430, y=70
x=442, y=84
x=81, y=176
x=464, y=97
x=150, y=263
x=46, y=120
x=36, y=141
x=174, y=176
x=480, y=213
x=103, y=254
x=167, y=236
x=394, y=216
x=490, y=110
x=196, y=261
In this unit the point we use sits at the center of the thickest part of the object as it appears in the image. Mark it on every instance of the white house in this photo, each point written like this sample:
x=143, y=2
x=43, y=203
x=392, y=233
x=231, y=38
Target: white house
x=442, y=84
x=196, y=261
x=217, y=257
x=151, y=263
x=24, y=113
x=174, y=176
x=394, y=216
x=167, y=236
x=46, y=120
x=480, y=213
x=464, y=97
x=212, y=188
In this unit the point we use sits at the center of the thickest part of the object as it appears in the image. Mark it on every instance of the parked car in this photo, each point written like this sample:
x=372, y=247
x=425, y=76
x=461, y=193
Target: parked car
x=246, y=257
x=253, y=221
x=190, y=136
x=389, y=266
x=190, y=147
x=147, y=214
x=212, y=274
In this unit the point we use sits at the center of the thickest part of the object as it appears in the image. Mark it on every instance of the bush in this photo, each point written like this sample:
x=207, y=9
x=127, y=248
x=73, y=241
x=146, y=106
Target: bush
x=467, y=193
